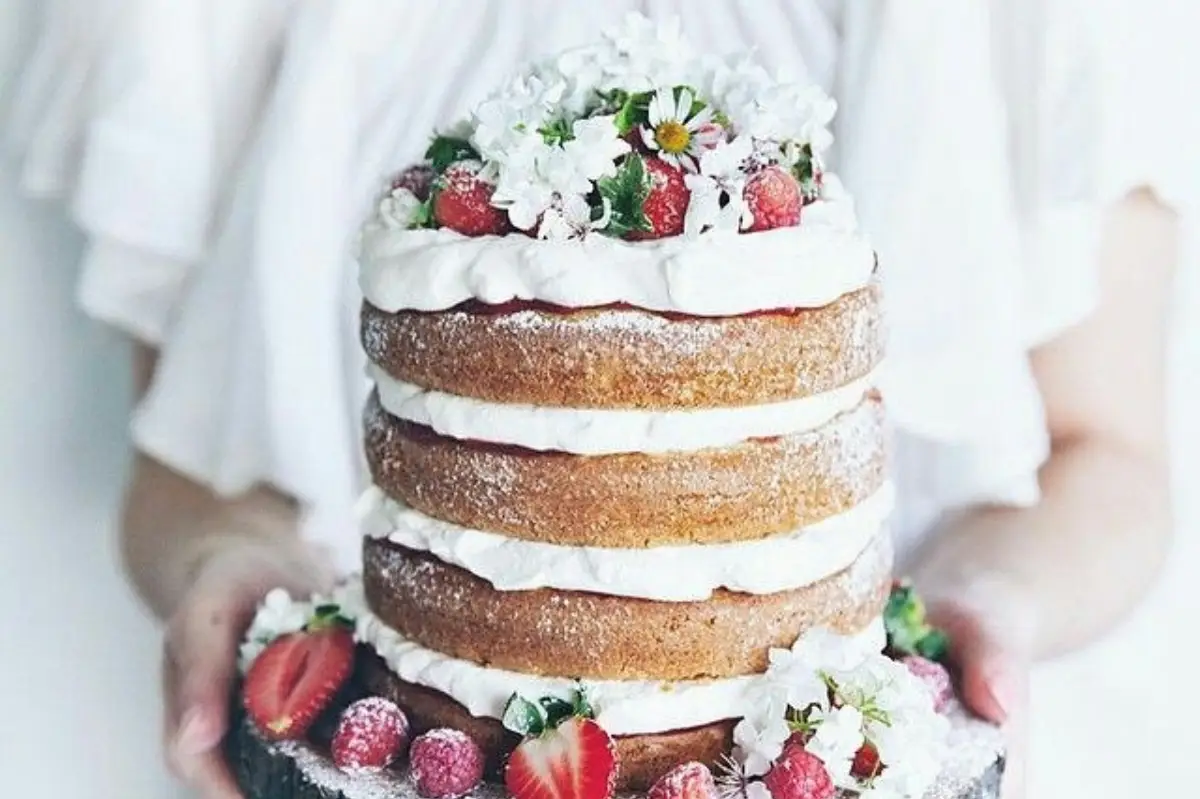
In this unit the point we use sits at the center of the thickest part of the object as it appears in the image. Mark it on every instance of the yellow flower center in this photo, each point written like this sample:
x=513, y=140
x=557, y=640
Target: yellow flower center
x=672, y=137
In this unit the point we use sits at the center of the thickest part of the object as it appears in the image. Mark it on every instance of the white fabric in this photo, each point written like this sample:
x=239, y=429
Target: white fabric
x=965, y=132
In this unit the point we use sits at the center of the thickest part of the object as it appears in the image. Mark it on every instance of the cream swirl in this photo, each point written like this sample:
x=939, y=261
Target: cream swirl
x=717, y=274
x=665, y=574
x=623, y=707
x=600, y=431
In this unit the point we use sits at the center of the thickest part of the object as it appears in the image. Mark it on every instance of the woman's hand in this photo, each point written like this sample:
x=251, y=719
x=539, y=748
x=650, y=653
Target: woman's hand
x=991, y=630
x=200, y=653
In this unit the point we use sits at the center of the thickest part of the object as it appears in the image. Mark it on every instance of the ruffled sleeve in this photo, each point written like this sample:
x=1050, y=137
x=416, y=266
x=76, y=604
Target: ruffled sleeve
x=131, y=113
x=979, y=187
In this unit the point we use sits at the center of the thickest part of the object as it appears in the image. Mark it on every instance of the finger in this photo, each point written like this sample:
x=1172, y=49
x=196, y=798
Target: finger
x=204, y=643
x=210, y=775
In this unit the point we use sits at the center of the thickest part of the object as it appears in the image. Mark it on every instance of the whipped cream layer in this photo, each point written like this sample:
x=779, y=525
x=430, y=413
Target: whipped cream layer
x=666, y=574
x=590, y=431
x=623, y=707
x=716, y=274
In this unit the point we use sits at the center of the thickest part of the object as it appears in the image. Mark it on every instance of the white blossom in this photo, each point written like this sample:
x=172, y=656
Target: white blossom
x=675, y=133
x=596, y=147
x=838, y=738
x=717, y=202
x=759, y=744
x=398, y=209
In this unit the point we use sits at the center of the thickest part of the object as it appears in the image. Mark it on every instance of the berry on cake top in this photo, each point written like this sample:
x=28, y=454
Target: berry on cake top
x=635, y=137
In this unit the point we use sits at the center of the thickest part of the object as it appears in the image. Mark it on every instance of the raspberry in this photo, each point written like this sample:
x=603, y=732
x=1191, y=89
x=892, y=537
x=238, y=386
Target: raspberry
x=371, y=734
x=418, y=179
x=935, y=677
x=799, y=774
x=686, y=781
x=773, y=198
x=445, y=763
x=667, y=203
x=462, y=202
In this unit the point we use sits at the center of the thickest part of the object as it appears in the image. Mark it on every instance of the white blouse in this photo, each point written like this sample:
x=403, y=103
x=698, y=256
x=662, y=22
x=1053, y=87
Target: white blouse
x=220, y=153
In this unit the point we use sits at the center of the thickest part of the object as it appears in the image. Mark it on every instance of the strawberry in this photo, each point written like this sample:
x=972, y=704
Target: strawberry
x=295, y=678
x=445, y=763
x=667, y=202
x=371, y=734
x=418, y=179
x=773, y=199
x=799, y=774
x=575, y=760
x=935, y=677
x=866, y=762
x=687, y=781
x=462, y=201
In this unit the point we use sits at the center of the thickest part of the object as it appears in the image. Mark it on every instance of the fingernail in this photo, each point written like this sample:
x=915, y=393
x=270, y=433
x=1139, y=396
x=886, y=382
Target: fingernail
x=190, y=740
x=1003, y=692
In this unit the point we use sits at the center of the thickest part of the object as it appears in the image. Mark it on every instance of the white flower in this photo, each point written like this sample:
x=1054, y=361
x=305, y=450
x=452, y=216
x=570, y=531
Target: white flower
x=644, y=55
x=756, y=790
x=759, y=744
x=570, y=217
x=398, y=210
x=525, y=200
x=716, y=193
x=504, y=122
x=797, y=679
x=835, y=654
x=596, y=147
x=678, y=136
x=838, y=738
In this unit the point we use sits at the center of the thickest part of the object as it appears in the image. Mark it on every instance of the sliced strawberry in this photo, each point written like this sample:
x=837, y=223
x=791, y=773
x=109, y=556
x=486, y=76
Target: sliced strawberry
x=774, y=199
x=575, y=760
x=462, y=201
x=295, y=678
x=667, y=203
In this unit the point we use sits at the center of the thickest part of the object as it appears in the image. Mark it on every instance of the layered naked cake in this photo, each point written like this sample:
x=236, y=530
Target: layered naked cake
x=628, y=456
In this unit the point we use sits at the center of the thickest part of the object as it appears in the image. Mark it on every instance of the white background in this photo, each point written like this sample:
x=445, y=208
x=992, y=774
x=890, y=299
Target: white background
x=78, y=683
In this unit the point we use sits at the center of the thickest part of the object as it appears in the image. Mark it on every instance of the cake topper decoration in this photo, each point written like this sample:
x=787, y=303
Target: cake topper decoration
x=633, y=137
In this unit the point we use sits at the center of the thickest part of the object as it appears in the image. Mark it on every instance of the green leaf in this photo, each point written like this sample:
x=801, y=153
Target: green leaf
x=523, y=717
x=935, y=645
x=326, y=617
x=423, y=216
x=445, y=150
x=626, y=193
x=582, y=705
x=557, y=131
x=633, y=111
x=556, y=710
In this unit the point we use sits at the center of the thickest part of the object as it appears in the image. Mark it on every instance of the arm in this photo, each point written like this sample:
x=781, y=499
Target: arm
x=1102, y=528
x=202, y=563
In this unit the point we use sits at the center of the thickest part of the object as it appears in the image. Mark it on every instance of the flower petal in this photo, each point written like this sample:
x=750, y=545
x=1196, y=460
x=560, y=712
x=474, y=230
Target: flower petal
x=684, y=105
x=661, y=107
x=648, y=138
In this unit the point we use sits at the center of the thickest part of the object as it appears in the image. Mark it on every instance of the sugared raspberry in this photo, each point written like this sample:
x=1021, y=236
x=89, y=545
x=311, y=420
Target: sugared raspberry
x=686, y=781
x=799, y=774
x=773, y=199
x=445, y=763
x=370, y=736
x=418, y=179
x=935, y=677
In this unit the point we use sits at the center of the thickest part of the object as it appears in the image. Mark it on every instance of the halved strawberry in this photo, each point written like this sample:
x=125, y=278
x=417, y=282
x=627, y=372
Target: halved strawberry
x=295, y=678
x=575, y=760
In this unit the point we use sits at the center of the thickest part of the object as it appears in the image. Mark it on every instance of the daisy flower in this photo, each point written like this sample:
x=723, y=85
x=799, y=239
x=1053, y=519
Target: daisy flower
x=675, y=133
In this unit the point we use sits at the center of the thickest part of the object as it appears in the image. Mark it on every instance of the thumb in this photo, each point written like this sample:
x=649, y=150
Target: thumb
x=990, y=629
x=203, y=647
